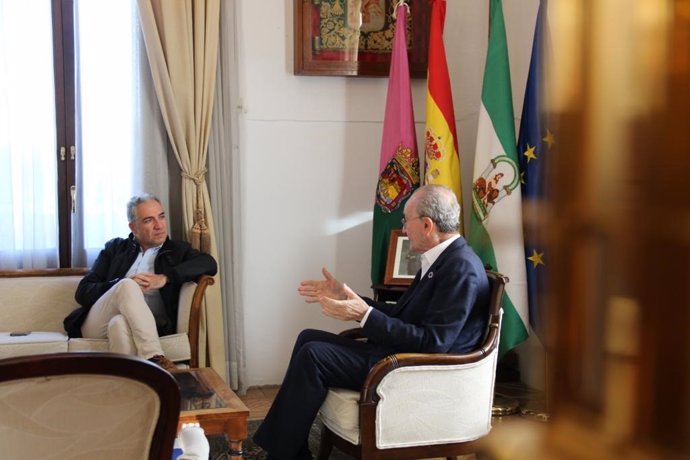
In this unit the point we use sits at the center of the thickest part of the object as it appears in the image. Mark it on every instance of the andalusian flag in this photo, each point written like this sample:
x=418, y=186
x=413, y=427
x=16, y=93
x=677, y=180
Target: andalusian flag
x=399, y=166
x=496, y=222
x=440, y=138
x=534, y=146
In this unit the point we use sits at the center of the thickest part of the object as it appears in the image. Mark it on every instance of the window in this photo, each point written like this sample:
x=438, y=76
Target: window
x=28, y=171
x=76, y=117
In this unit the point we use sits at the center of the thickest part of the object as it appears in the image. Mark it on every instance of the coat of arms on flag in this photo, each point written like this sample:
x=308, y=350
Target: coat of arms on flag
x=398, y=179
x=497, y=181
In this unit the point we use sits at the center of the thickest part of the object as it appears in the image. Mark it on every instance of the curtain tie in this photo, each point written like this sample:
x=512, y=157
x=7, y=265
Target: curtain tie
x=200, y=237
x=197, y=177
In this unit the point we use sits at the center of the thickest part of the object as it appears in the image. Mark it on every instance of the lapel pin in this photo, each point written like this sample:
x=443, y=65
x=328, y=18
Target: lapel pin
x=430, y=275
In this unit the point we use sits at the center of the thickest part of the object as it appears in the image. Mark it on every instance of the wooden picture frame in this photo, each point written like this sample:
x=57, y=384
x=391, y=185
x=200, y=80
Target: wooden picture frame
x=401, y=264
x=338, y=38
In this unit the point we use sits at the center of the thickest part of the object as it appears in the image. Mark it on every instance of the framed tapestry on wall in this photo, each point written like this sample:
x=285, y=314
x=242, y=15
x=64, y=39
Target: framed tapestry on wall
x=355, y=37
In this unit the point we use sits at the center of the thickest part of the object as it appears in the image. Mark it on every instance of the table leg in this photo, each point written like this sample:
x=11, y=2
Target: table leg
x=235, y=449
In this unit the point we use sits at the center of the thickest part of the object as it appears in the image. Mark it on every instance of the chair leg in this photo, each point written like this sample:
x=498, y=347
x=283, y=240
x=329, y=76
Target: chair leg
x=325, y=444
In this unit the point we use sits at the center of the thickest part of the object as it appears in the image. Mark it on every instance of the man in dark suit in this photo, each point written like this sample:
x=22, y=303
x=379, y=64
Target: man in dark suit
x=445, y=310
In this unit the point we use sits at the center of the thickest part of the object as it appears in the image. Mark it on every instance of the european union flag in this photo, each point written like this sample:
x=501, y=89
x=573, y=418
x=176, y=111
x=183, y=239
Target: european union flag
x=535, y=141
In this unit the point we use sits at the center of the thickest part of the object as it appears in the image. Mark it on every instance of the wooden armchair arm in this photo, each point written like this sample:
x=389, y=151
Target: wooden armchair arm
x=194, y=317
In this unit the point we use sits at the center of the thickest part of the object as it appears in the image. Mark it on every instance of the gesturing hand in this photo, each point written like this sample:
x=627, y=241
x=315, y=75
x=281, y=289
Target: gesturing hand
x=352, y=308
x=330, y=287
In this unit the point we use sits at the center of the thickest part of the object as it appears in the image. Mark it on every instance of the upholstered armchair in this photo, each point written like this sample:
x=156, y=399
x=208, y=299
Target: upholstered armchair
x=86, y=405
x=415, y=405
x=37, y=301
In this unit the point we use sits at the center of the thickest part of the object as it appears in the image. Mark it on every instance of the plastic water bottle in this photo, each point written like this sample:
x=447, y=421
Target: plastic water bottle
x=177, y=449
x=190, y=443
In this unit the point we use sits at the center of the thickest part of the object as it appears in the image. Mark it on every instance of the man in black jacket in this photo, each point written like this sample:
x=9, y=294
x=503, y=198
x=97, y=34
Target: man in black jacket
x=131, y=293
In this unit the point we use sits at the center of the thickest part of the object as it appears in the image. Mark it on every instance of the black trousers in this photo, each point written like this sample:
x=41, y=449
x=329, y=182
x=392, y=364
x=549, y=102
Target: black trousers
x=319, y=360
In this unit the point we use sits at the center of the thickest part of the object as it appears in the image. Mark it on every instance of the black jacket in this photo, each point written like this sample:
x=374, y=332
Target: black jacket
x=176, y=259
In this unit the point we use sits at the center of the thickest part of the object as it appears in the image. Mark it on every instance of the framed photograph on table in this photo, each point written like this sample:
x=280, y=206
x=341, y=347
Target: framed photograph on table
x=355, y=37
x=402, y=264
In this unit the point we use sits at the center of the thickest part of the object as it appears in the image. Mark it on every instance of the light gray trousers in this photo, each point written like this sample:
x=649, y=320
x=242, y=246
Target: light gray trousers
x=122, y=316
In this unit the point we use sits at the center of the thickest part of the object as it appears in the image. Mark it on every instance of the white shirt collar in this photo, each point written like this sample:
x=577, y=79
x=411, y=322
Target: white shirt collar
x=145, y=261
x=430, y=256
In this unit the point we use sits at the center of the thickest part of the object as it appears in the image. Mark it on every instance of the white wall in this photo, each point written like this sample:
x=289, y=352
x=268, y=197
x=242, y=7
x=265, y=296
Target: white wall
x=309, y=154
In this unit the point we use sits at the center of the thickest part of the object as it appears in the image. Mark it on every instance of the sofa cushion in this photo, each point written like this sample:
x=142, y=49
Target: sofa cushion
x=36, y=303
x=175, y=346
x=340, y=413
x=6, y=338
x=35, y=343
x=100, y=345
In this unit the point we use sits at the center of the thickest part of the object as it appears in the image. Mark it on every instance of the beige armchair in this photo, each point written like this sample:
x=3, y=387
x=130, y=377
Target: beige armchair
x=415, y=405
x=86, y=405
x=37, y=301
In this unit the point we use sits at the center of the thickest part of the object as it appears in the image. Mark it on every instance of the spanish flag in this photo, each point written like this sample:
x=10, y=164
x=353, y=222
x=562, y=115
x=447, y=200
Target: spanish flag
x=399, y=161
x=440, y=138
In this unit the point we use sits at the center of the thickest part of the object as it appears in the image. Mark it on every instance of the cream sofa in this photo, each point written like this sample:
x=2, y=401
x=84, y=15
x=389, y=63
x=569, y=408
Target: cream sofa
x=37, y=301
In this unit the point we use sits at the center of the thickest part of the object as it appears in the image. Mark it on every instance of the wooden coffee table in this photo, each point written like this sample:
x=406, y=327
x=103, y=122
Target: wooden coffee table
x=209, y=401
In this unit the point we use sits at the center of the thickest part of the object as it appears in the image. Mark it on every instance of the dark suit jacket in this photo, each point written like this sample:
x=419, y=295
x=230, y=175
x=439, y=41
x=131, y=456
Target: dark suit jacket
x=446, y=311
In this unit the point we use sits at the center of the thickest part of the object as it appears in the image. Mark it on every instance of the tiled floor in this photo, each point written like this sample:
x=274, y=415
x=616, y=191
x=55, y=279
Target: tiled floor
x=258, y=400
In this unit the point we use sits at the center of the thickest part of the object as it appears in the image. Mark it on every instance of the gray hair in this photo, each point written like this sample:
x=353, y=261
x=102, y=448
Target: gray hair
x=440, y=204
x=135, y=201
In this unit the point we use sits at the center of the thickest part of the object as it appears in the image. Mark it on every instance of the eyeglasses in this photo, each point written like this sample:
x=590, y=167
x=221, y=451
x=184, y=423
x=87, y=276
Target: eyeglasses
x=405, y=221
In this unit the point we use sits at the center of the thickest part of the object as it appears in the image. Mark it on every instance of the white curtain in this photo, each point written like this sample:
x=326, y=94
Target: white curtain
x=224, y=187
x=117, y=120
x=28, y=171
x=121, y=139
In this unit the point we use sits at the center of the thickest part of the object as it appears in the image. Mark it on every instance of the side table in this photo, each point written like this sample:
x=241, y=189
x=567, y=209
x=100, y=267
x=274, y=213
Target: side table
x=388, y=292
x=210, y=402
